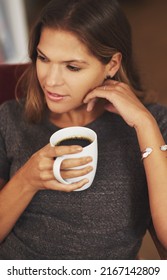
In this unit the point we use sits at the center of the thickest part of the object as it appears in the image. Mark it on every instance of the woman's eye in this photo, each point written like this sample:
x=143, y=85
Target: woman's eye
x=73, y=68
x=42, y=58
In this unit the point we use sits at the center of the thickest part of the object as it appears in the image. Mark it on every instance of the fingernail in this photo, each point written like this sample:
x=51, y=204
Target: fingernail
x=79, y=148
x=89, y=107
x=90, y=168
x=85, y=181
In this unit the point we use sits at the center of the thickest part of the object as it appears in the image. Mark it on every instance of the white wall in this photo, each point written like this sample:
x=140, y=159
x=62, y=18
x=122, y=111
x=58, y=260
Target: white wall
x=13, y=31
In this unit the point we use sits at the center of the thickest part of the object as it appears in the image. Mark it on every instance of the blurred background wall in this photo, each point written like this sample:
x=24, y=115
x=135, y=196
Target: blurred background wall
x=148, y=19
x=13, y=31
x=149, y=28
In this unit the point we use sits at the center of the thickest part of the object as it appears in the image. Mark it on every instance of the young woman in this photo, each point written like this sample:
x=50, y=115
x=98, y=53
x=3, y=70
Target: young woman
x=81, y=73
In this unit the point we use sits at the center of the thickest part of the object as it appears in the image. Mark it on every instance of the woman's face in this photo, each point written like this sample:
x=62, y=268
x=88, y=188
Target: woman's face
x=66, y=70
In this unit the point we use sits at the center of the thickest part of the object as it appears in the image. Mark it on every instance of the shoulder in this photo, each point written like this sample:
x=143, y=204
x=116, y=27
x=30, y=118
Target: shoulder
x=11, y=105
x=10, y=108
x=157, y=108
x=158, y=111
x=10, y=112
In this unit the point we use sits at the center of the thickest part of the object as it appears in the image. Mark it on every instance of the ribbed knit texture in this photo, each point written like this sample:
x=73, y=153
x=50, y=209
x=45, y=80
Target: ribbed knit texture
x=106, y=221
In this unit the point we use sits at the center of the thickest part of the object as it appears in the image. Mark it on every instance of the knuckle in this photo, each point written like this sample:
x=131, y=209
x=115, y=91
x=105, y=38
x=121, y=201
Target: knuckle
x=46, y=175
x=71, y=149
x=83, y=161
x=42, y=176
x=40, y=153
x=60, y=150
x=57, y=150
x=40, y=165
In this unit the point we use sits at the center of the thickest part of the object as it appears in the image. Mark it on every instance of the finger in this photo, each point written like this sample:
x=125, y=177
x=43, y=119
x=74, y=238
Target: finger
x=56, y=151
x=91, y=98
x=111, y=82
x=74, y=162
x=108, y=86
x=106, y=92
x=117, y=86
x=100, y=93
x=74, y=186
x=116, y=83
x=73, y=173
x=64, y=150
x=57, y=186
x=91, y=104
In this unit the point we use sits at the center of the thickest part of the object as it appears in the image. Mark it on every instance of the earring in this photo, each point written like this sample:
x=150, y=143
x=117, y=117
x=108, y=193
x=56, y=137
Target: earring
x=108, y=77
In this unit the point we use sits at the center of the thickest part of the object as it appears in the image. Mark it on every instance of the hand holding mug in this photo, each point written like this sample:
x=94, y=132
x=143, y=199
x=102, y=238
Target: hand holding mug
x=81, y=136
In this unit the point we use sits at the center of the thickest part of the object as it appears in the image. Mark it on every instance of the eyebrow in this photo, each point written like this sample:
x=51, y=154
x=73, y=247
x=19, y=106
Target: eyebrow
x=67, y=61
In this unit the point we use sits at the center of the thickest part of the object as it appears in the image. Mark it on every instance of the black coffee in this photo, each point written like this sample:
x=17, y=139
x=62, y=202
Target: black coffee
x=81, y=141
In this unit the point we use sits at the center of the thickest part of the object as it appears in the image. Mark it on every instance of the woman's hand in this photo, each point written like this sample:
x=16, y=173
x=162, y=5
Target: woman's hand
x=120, y=99
x=37, y=173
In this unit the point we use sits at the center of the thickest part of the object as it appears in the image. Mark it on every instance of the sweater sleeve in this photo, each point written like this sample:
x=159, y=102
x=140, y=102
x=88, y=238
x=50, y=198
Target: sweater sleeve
x=4, y=161
x=160, y=114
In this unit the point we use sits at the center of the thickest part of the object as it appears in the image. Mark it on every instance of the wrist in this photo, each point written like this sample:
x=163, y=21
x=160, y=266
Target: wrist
x=24, y=183
x=148, y=133
x=145, y=123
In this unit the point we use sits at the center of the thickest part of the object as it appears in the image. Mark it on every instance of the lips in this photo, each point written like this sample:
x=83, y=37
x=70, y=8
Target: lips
x=55, y=96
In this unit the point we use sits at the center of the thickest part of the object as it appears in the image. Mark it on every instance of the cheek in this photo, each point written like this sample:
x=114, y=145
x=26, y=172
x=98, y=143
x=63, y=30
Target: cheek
x=82, y=89
x=85, y=86
x=93, y=82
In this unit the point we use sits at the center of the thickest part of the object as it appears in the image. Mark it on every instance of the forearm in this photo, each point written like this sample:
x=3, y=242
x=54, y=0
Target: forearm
x=155, y=166
x=14, y=198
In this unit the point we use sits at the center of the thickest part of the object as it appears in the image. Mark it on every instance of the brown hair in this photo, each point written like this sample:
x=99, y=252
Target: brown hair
x=100, y=25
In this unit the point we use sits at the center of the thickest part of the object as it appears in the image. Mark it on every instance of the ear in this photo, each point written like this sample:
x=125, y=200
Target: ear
x=113, y=66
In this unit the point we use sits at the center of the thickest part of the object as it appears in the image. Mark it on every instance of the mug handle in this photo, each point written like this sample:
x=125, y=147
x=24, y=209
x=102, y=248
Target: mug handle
x=56, y=170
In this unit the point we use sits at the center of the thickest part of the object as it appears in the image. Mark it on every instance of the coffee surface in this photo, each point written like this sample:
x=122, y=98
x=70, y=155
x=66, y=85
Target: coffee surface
x=81, y=141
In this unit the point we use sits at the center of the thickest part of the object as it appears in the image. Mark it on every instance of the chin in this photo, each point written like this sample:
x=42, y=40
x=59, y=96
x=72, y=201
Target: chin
x=59, y=110
x=65, y=108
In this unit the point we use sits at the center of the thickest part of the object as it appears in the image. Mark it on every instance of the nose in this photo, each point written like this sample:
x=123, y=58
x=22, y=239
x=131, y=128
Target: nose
x=54, y=76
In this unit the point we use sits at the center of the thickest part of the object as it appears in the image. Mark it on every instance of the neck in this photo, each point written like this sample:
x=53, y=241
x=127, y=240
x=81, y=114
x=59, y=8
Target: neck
x=77, y=117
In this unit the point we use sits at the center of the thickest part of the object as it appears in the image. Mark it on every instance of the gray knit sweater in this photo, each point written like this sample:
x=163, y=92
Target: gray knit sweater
x=106, y=221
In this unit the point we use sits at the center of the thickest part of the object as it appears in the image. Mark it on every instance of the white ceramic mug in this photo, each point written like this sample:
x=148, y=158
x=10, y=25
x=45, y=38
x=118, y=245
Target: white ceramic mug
x=89, y=150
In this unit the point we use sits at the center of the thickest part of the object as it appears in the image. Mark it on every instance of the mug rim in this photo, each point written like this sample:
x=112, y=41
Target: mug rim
x=59, y=136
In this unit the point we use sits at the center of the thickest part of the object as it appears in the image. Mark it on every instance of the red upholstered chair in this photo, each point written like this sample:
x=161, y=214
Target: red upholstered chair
x=9, y=75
